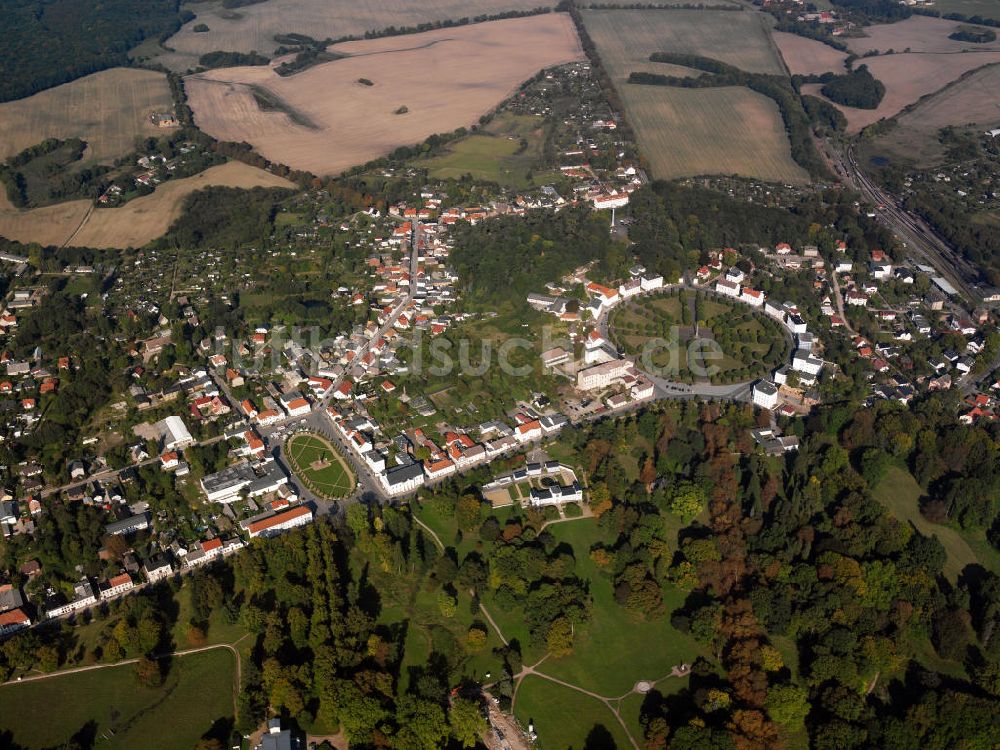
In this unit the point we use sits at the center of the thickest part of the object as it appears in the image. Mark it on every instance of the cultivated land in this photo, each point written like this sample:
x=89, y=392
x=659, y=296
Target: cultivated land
x=807, y=56
x=325, y=121
x=907, y=77
x=970, y=100
x=108, y=110
x=730, y=130
x=688, y=132
x=319, y=465
x=197, y=692
x=252, y=28
x=626, y=38
x=137, y=222
x=918, y=33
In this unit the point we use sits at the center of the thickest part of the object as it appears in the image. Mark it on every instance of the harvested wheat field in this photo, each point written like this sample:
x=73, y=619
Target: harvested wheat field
x=807, y=56
x=108, y=110
x=49, y=225
x=252, y=27
x=325, y=121
x=137, y=222
x=918, y=33
x=730, y=131
x=626, y=38
x=970, y=101
x=907, y=78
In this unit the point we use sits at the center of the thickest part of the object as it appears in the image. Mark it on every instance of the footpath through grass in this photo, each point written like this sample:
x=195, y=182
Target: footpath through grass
x=566, y=718
x=111, y=707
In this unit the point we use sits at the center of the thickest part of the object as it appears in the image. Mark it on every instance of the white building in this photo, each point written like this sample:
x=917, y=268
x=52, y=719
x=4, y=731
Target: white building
x=765, y=394
x=83, y=597
x=273, y=524
x=602, y=375
x=157, y=568
x=115, y=586
x=650, y=283
x=402, y=479
x=175, y=434
x=752, y=297
x=727, y=288
x=556, y=495
x=803, y=361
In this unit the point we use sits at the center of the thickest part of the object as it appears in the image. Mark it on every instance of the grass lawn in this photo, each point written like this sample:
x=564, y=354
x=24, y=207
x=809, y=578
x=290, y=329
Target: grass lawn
x=197, y=692
x=612, y=651
x=495, y=154
x=565, y=718
x=317, y=463
x=899, y=493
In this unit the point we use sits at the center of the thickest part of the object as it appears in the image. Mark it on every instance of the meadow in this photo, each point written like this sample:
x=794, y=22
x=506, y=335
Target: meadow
x=110, y=706
x=137, y=222
x=324, y=120
x=108, y=110
x=253, y=27
x=565, y=718
x=494, y=153
x=900, y=494
x=319, y=465
x=690, y=132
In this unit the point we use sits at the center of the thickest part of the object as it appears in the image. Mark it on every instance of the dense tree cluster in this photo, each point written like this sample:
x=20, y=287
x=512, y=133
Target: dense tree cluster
x=48, y=42
x=674, y=226
x=859, y=88
x=502, y=261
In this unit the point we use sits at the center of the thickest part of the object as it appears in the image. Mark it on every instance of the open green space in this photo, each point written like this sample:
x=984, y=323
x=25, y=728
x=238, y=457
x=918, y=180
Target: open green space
x=751, y=343
x=611, y=651
x=110, y=706
x=565, y=718
x=319, y=465
x=900, y=494
x=505, y=151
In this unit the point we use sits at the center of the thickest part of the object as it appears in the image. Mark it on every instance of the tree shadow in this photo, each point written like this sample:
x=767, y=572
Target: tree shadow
x=599, y=738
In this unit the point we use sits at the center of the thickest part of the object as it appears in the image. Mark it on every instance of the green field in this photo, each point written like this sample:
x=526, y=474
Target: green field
x=110, y=706
x=319, y=465
x=505, y=152
x=565, y=718
x=612, y=630
x=900, y=494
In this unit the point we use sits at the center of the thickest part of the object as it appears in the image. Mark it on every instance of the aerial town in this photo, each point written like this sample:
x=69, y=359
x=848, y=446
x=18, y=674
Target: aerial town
x=384, y=429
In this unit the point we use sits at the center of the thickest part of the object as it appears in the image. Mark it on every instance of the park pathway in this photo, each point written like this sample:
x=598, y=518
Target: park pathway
x=533, y=669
